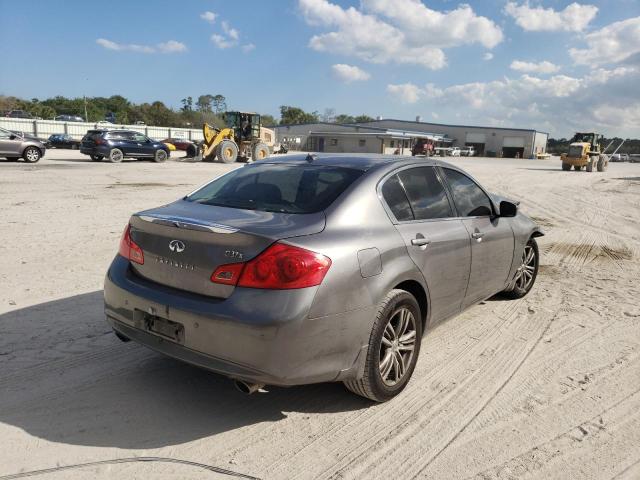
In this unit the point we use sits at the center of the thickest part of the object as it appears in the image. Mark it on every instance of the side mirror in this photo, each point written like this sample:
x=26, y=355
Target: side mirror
x=508, y=209
x=12, y=137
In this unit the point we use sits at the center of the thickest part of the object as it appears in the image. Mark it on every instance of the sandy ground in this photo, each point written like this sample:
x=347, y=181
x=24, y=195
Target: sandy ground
x=544, y=387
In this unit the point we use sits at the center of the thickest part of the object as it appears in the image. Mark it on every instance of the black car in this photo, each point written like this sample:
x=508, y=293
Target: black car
x=19, y=114
x=62, y=141
x=115, y=145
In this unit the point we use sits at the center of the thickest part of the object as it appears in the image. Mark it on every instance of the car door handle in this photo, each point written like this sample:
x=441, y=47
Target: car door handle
x=477, y=235
x=420, y=242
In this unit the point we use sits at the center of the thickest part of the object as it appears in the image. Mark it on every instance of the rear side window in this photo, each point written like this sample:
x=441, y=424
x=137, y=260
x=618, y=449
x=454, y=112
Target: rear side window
x=278, y=188
x=470, y=199
x=396, y=199
x=426, y=194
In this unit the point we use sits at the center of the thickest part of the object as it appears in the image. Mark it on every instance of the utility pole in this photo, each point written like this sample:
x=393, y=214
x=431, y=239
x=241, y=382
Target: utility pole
x=86, y=117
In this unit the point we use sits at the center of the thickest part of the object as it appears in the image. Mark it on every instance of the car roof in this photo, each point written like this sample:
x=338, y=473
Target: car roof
x=354, y=161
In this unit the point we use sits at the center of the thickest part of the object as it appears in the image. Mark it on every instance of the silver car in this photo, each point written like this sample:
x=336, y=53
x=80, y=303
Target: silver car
x=317, y=268
x=15, y=145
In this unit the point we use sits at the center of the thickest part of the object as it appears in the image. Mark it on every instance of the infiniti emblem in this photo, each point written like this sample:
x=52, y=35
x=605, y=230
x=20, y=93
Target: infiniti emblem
x=176, y=246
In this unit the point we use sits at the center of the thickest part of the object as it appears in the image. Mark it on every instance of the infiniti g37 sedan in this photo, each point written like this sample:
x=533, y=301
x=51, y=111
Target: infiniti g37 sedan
x=318, y=268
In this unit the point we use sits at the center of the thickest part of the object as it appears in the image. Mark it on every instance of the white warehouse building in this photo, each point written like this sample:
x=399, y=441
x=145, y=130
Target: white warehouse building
x=390, y=135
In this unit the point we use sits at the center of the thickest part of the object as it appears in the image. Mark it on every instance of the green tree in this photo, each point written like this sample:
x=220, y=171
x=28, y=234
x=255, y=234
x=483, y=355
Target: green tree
x=268, y=120
x=219, y=104
x=204, y=103
x=342, y=118
x=187, y=104
x=364, y=118
x=293, y=115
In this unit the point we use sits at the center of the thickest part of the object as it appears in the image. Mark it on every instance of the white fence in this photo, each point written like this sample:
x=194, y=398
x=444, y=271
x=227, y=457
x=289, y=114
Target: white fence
x=44, y=128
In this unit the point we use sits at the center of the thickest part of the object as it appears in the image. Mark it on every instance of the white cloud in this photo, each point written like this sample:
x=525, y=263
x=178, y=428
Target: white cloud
x=171, y=46
x=209, y=16
x=606, y=100
x=396, y=31
x=574, y=18
x=231, y=32
x=615, y=43
x=349, y=73
x=487, y=56
x=222, y=42
x=248, y=47
x=532, y=67
x=406, y=92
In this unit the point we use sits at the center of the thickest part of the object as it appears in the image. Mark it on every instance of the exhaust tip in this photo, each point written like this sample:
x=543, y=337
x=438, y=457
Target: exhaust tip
x=247, y=387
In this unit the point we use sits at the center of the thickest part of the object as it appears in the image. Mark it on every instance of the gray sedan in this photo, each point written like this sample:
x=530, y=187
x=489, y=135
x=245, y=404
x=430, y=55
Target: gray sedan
x=317, y=268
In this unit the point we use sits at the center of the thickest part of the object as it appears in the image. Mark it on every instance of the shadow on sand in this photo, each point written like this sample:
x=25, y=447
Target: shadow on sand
x=65, y=377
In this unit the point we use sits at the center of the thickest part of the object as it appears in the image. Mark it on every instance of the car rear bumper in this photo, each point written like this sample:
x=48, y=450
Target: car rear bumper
x=262, y=336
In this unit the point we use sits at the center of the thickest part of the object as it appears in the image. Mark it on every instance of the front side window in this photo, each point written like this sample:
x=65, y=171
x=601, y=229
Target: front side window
x=426, y=194
x=470, y=199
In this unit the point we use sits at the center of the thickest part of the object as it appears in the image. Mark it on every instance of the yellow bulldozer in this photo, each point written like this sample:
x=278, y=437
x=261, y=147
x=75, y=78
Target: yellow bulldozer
x=243, y=139
x=585, y=152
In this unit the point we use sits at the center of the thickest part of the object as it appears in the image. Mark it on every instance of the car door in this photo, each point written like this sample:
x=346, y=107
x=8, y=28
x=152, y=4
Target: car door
x=6, y=144
x=492, y=239
x=142, y=145
x=436, y=241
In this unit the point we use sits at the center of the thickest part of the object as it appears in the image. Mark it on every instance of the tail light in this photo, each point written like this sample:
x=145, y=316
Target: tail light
x=279, y=267
x=99, y=141
x=130, y=249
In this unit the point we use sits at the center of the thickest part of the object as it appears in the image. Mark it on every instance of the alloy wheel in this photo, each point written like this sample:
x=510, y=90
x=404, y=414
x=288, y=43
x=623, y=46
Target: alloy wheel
x=397, y=346
x=524, y=274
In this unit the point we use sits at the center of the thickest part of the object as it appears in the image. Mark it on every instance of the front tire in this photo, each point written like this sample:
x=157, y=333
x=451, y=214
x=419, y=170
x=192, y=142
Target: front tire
x=160, y=156
x=566, y=167
x=526, y=273
x=31, y=154
x=227, y=151
x=394, y=345
x=602, y=163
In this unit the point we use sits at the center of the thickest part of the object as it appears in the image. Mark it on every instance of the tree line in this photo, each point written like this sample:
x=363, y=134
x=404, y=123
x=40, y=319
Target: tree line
x=192, y=113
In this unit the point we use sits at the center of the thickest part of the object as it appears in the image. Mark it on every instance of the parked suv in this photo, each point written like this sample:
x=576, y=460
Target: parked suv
x=15, y=145
x=115, y=145
x=19, y=114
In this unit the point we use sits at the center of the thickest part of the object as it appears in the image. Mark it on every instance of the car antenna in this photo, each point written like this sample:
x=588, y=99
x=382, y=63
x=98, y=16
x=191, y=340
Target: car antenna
x=310, y=158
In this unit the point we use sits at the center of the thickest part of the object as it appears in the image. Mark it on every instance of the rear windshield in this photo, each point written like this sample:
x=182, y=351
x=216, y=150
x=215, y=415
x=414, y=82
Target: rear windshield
x=277, y=188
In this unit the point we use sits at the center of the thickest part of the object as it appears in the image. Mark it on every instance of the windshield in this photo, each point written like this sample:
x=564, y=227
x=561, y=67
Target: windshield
x=575, y=151
x=277, y=188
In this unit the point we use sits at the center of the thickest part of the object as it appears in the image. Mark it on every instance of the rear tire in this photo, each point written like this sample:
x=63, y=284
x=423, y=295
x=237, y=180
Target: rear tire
x=192, y=151
x=97, y=158
x=31, y=154
x=394, y=345
x=227, y=151
x=160, y=156
x=566, y=166
x=590, y=166
x=526, y=273
x=577, y=168
x=116, y=155
x=260, y=152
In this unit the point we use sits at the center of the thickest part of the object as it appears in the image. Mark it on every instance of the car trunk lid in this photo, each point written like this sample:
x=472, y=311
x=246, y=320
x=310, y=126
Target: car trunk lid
x=184, y=242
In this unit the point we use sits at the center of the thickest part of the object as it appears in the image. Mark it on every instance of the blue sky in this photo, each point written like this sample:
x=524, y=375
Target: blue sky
x=394, y=58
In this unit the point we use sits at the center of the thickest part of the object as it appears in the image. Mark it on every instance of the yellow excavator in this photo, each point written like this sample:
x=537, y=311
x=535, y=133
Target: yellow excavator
x=243, y=138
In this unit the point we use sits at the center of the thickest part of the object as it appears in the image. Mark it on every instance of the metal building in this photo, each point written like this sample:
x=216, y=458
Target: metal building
x=384, y=136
